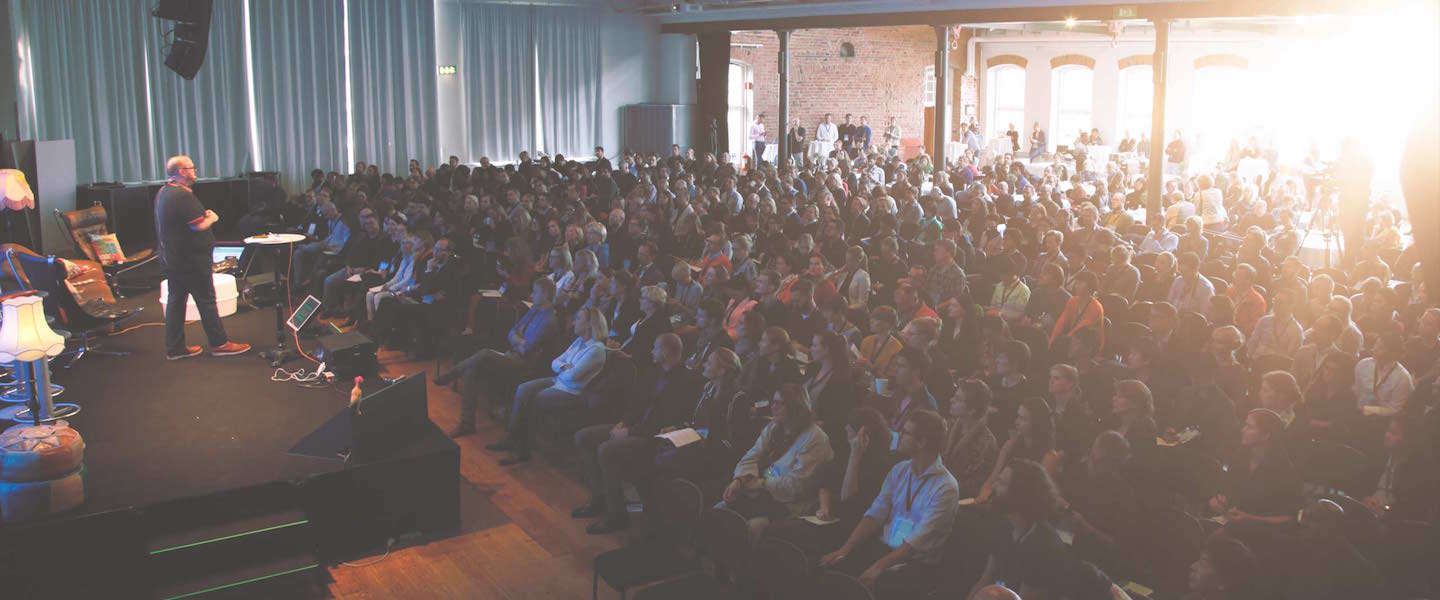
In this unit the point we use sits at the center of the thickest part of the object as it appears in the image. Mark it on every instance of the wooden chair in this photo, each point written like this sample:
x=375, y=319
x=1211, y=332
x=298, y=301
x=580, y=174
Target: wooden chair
x=782, y=571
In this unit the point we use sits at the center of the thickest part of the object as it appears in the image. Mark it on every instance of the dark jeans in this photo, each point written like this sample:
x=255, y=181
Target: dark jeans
x=198, y=284
x=905, y=580
x=532, y=399
x=759, y=152
x=607, y=464
x=477, y=371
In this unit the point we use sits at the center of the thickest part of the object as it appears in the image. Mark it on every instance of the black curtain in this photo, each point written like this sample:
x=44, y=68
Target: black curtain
x=713, y=92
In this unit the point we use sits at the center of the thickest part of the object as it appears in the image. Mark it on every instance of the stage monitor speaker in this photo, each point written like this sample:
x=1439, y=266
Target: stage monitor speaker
x=191, y=36
x=376, y=426
x=349, y=354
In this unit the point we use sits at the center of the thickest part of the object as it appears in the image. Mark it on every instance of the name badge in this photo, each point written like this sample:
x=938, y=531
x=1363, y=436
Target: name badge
x=901, y=530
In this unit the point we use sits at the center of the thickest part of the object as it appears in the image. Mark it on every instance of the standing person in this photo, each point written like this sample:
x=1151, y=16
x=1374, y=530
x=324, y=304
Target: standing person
x=1038, y=142
x=892, y=137
x=797, y=142
x=847, y=134
x=182, y=225
x=863, y=133
x=757, y=138
x=827, y=134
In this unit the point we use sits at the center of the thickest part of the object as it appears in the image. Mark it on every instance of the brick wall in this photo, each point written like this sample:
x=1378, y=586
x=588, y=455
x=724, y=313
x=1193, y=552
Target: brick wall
x=884, y=78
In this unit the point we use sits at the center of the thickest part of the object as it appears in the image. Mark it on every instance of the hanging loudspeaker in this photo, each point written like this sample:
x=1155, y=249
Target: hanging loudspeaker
x=190, y=37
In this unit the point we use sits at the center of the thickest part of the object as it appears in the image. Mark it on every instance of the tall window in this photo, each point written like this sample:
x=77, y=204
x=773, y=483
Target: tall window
x=1220, y=111
x=1005, y=97
x=741, y=107
x=1137, y=87
x=930, y=85
x=1071, y=93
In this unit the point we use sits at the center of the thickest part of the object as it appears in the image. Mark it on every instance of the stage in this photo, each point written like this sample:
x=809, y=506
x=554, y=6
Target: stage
x=188, y=452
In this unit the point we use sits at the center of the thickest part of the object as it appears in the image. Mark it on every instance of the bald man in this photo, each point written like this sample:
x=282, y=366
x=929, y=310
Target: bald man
x=183, y=226
x=611, y=455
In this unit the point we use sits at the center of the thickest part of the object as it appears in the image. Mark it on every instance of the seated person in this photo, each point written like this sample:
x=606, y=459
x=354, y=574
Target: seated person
x=1031, y=558
x=711, y=335
x=1408, y=488
x=654, y=320
x=574, y=368
x=722, y=417
x=362, y=255
x=879, y=349
x=1033, y=439
x=908, y=387
x=526, y=340
x=773, y=366
x=896, y=547
x=971, y=450
x=687, y=292
x=1261, y=483
x=1226, y=570
x=611, y=454
x=778, y=476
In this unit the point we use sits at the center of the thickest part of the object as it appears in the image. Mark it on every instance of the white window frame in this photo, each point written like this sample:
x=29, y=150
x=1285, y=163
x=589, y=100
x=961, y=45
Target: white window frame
x=1070, y=116
x=1135, y=116
x=928, y=90
x=995, y=121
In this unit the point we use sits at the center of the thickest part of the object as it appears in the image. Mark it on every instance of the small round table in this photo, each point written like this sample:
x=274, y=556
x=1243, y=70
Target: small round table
x=282, y=285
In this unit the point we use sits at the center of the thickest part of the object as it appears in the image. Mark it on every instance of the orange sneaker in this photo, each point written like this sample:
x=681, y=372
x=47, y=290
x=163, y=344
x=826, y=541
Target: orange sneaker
x=230, y=349
x=189, y=352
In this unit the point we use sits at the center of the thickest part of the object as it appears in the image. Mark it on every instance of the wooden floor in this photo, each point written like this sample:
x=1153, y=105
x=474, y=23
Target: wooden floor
x=540, y=553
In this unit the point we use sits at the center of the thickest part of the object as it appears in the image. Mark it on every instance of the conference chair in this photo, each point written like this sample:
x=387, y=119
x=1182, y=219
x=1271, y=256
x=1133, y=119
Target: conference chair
x=782, y=571
x=676, y=505
x=834, y=585
x=725, y=541
x=84, y=225
x=1332, y=466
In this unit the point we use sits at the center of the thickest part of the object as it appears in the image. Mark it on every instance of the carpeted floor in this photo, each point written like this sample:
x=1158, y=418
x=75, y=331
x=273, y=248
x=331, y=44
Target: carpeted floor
x=156, y=429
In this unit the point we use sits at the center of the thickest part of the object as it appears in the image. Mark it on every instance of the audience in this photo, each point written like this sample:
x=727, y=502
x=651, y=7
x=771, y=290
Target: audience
x=1121, y=402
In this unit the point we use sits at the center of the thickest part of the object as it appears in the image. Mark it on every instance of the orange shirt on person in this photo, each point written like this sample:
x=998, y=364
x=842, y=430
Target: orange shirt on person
x=1249, y=307
x=1080, y=313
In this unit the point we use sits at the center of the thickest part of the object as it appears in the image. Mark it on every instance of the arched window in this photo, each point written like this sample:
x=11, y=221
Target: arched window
x=1005, y=97
x=1137, y=87
x=929, y=85
x=1221, y=110
x=1071, y=97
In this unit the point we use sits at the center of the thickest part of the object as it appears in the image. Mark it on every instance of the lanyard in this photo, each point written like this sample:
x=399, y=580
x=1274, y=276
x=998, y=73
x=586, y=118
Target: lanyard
x=910, y=490
x=1007, y=290
x=1379, y=379
x=879, y=348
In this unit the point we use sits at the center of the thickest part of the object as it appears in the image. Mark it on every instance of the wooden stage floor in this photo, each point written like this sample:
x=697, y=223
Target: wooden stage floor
x=539, y=553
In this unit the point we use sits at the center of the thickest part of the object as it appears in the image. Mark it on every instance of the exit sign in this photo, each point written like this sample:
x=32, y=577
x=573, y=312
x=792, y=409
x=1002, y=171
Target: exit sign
x=1127, y=12
x=447, y=69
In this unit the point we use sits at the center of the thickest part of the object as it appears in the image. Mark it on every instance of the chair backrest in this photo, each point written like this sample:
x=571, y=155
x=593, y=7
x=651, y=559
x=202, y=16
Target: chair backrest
x=782, y=571
x=605, y=394
x=16, y=273
x=1359, y=524
x=1117, y=307
x=725, y=538
x=1331, y=465
x=677, y=504
x=834, y=585
x=82, y=224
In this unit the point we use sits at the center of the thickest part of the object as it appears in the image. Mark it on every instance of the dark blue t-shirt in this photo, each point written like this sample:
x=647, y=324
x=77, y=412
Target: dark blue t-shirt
x=181, y=248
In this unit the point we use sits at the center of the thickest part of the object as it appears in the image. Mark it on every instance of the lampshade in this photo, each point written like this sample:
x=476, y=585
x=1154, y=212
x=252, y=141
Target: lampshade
x=17, y=191
x=24, y=333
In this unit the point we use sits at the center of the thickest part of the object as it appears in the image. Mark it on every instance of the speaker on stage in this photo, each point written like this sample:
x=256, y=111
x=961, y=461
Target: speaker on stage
x=191, y=36
x=379, y=425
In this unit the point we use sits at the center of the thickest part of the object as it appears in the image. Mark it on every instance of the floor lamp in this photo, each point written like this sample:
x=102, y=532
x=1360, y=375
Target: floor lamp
x=27, y=341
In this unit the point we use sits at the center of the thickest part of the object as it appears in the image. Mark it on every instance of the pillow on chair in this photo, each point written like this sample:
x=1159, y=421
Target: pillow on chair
x=107, y=249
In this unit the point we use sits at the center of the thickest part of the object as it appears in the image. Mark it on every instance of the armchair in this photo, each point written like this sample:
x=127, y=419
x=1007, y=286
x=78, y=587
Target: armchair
x=84, y=223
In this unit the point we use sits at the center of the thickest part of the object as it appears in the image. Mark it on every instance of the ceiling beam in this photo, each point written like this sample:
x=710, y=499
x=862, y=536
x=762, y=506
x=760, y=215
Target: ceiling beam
x=1198, y=9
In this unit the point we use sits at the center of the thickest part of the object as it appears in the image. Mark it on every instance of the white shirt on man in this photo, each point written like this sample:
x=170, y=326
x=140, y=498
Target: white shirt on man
x=1382, y=390
x=828, y=133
